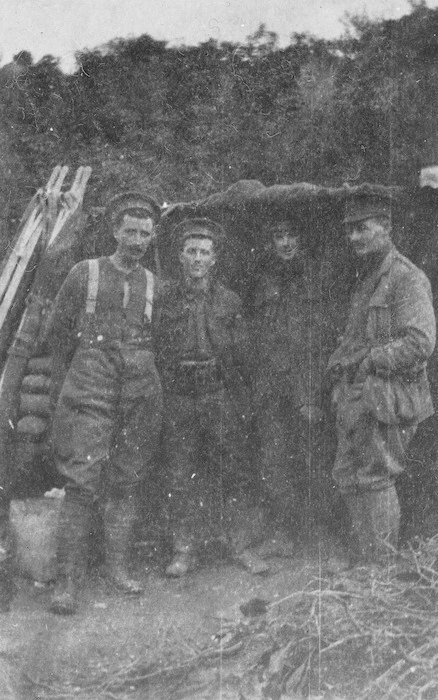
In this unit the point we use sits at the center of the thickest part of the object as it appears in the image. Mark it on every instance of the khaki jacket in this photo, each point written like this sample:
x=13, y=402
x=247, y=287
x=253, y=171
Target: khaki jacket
x=396, y=343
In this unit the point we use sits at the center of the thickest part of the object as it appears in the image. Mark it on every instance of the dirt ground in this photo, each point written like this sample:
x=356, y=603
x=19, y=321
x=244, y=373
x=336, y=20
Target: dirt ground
x=183, y=638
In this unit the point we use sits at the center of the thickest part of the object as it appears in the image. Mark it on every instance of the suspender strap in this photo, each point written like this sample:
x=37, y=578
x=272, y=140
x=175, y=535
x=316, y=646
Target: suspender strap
x=150, y=285
x=93, y=286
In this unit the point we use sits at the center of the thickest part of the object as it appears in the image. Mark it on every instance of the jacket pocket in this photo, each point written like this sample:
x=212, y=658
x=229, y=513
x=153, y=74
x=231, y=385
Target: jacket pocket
x=393, y=400
x=379, y=326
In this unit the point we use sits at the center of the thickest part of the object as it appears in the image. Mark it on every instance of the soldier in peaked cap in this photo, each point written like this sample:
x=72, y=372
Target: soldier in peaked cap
x=380, y=389
x=201, y=350
x=108, y=415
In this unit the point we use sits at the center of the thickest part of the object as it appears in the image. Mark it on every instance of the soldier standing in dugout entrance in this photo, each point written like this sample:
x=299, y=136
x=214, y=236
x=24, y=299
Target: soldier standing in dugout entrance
x=108, y=417
x=378, y=374
x=202, y=355
x=291, y=333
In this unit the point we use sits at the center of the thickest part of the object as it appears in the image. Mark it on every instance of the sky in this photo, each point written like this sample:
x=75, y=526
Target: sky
x=61, y=27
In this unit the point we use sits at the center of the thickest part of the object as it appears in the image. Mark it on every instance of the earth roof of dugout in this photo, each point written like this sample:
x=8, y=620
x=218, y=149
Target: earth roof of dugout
x=249, y=202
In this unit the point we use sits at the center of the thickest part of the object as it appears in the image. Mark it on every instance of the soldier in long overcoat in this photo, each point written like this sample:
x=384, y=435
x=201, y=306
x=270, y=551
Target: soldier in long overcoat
x=292, y=336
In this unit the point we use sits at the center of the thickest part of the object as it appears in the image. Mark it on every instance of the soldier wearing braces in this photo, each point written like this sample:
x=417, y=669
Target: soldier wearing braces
x=108, y=417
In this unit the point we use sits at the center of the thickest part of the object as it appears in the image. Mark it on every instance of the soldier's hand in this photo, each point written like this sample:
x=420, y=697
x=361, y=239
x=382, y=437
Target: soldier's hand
x=334, y=374
x=335, y=397
x=365, y=368
x=311, y=413
x=356, y=389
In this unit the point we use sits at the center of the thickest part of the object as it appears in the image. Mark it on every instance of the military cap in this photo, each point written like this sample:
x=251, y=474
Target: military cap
x=190, y=228
x=132, y=200
x=364, y=205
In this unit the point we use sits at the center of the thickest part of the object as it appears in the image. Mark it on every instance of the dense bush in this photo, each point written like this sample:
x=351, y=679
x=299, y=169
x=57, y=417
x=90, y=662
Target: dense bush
x=186, y=121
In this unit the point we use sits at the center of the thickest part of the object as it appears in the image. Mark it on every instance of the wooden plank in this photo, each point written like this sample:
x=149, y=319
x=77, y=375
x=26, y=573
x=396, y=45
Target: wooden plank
x=51, y=200
x=53, y=177
x=18, y=273
x=25, y=229
x=71, y=200
x=63, y=215
x=16, y=254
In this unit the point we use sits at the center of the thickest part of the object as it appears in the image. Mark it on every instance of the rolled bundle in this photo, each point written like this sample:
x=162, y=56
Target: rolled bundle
x=35, y=404
x=32, y=427
x=40, y=365
x=36, y=384
x=34, y=414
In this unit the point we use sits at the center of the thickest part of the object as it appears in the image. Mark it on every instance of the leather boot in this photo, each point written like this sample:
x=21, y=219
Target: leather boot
x=183, y=561
x=72, y=554
x=244, y=522
x=375, y=525
x=251, y=561
x=119, y=518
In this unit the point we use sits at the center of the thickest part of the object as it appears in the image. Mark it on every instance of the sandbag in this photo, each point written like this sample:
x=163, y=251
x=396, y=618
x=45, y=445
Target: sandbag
x=35, y=404
x=40, y=365
x=36, y=384
x=32, y=426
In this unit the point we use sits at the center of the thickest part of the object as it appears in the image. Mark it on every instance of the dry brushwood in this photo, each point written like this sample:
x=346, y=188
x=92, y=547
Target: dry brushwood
x=370, y=634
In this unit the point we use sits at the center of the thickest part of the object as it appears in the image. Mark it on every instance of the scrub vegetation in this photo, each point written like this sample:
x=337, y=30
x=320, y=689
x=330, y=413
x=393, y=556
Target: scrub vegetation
x=190, y=120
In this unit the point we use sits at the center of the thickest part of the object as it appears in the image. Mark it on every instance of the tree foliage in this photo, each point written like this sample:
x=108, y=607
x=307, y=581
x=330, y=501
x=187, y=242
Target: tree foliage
x=185, y=121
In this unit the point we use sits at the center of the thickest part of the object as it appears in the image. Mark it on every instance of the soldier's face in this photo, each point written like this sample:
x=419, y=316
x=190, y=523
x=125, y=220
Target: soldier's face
x=368, y=236
x=134, y=236
x=286, y=242
x=197, y=257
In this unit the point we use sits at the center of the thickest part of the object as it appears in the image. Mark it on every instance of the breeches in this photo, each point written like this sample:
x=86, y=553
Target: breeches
x=108, y=419
x=370, y=454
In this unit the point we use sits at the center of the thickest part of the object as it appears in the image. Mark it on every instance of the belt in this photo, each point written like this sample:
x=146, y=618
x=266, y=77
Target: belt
x=198, y=364
x=409, y=376
x=104, y=341
x=193, y=376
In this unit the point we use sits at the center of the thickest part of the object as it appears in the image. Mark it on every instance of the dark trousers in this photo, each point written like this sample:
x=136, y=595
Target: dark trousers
x=205, y=450
x=295, y=459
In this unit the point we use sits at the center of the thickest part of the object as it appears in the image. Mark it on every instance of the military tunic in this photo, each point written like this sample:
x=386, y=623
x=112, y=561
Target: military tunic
x=108, y=417
x=382, y=391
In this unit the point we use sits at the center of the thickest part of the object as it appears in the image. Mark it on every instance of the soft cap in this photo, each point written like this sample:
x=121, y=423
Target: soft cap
x=190, y=228
x=132, y=200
